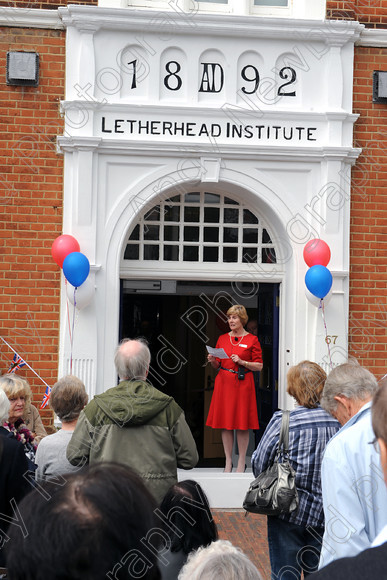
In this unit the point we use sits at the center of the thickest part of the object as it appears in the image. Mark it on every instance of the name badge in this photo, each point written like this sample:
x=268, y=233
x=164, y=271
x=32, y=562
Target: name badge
x=243, y=345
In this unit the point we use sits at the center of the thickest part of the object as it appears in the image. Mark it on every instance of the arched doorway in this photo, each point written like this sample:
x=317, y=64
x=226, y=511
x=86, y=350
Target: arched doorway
x=190, y=235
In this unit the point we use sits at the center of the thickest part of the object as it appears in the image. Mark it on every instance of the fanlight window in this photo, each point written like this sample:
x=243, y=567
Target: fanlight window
x=201, y=227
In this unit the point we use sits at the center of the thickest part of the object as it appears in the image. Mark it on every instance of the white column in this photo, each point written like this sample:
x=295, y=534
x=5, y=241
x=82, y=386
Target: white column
x=334, y=79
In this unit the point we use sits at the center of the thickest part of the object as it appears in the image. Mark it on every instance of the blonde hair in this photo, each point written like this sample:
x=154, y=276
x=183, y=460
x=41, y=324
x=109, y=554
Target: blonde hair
x=240, y=311
x=306, y=383
x=15, y=386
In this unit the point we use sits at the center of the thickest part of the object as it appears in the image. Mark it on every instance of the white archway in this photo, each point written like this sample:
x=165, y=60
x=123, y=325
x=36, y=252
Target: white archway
x=124, y=187
x=257, y=197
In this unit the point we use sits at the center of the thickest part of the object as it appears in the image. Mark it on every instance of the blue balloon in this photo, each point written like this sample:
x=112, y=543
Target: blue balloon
x=76, y=268
x=318, y=280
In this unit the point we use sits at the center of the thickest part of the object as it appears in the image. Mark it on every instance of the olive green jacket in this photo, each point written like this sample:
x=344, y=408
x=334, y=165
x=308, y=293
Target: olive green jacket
x=139, y=426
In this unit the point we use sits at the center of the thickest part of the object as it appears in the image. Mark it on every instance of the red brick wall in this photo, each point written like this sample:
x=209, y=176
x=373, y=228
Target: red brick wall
x=372, y=13
x=341, y=10
x=31, y=184
x=368, y=273
x=368, y=246
x=47, y=4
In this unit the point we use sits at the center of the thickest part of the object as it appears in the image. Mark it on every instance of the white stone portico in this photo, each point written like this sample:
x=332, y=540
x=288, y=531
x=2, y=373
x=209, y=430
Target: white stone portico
x=256, y=108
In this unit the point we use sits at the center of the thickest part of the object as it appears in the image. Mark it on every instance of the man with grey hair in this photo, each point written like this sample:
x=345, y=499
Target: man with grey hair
x=353, y=490
x=135, y=424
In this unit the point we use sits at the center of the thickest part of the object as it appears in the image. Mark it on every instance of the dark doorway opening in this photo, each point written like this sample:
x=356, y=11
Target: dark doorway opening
x=179, y=318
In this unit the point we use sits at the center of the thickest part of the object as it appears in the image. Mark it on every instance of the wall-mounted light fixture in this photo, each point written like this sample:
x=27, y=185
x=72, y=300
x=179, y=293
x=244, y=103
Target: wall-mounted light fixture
x=23, y=68
x=379, y=86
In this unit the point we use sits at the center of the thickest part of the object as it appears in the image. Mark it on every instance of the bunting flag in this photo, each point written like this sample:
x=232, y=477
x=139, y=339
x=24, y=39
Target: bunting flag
x=46, y=397
x=16, y=364
x=23, y=361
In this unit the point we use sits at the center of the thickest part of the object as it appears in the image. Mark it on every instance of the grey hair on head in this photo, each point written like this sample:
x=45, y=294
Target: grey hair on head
x=132, y=359
x=350, y=380
x=4, y=406
x=220, y=560
x=68, y=398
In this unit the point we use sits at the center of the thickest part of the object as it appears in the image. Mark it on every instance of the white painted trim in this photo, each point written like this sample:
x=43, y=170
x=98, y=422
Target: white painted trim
x=315, y=9
x=124, y=106
x=37, y=18
x=338, y=32
x=194, y=271
x=113, y=3
x=372, y=37
x=269, y=152
x=30, y=18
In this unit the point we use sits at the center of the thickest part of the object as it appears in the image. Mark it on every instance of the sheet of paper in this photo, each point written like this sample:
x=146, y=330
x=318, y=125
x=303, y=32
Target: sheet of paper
x=218, y=352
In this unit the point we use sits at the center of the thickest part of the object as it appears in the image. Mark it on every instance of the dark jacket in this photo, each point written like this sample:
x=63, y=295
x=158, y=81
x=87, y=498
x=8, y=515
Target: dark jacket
x=13, y=486
x=368, y=564
x=139, y=426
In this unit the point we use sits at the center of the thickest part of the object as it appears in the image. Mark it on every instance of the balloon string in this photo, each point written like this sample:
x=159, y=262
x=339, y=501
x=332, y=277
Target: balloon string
x=68, y=311
x=322, y=307
x=72, y=336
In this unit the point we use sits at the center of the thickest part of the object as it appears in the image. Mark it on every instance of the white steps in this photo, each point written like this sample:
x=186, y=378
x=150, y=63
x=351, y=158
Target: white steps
x=224, y=490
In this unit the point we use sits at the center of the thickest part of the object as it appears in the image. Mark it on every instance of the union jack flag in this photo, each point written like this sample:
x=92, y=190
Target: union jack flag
x=46, y=397
x=16, y=364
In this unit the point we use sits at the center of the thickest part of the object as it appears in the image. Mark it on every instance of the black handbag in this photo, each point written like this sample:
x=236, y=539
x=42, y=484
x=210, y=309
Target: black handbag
x=274, y=491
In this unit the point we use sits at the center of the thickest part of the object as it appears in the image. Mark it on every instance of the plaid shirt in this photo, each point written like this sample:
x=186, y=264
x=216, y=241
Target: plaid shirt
x=309, y=432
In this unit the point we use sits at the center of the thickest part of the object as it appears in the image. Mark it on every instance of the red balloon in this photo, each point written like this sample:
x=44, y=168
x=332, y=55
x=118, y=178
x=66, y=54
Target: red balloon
x=63, y=246
x=317, y=253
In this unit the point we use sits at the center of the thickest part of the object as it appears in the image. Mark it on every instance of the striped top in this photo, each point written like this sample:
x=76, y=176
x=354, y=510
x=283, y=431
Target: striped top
x=309, y=433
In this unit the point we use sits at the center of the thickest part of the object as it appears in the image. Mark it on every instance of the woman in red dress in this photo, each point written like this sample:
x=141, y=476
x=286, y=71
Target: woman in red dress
x=233, y=404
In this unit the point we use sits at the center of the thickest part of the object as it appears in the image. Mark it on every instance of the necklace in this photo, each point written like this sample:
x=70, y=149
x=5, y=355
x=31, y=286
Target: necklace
x=240, y=340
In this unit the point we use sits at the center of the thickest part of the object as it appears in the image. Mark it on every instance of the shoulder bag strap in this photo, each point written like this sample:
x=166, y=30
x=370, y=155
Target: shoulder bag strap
x=284, y=433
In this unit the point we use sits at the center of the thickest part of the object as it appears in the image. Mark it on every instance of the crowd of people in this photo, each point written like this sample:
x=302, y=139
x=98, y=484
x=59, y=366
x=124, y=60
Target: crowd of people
x=100, y=497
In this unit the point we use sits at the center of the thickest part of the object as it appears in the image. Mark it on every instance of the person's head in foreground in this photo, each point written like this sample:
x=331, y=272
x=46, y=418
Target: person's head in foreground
x=221, y=561
x=379, y=424
x=188, y=515
x=347, y=389
x=88, y=527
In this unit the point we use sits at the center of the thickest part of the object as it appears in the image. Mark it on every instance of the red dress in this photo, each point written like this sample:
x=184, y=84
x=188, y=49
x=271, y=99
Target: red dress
x=233, y=403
